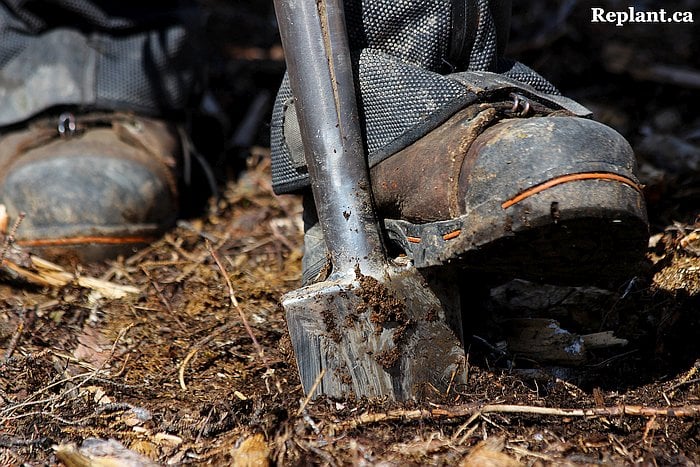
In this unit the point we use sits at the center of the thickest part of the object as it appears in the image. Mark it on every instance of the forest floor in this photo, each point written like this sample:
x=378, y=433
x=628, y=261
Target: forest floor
x=180, y=353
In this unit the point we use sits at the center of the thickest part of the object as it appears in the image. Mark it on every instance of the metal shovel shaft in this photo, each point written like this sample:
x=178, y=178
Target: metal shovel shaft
x=386, y=335
x=319, y=65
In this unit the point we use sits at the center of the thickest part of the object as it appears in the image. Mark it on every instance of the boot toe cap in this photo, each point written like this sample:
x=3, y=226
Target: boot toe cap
x=88, y=198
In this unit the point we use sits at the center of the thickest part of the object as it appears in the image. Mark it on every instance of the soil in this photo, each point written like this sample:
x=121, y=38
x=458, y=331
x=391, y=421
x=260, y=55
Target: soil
x=196, y=366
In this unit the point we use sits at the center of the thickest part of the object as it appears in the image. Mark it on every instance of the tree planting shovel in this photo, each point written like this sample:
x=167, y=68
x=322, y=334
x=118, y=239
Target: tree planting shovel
x=373, y=328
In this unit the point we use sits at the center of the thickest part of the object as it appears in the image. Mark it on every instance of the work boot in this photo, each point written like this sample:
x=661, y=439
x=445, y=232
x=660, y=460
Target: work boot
x=90, y=186
x=489, y=168
x=518, y=183
x=523, y=191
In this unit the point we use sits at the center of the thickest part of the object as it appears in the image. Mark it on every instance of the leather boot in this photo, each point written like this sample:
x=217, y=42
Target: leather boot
x=90, y=186
x=516, y=184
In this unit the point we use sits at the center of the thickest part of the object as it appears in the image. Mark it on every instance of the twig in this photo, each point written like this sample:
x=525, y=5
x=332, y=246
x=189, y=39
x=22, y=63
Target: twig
x=648, y=428
x=204, y=425
x=681, y=384
x=464, y=427
x=183, y=365
x=525, y=452
x=32, y=277
x=4, y=413
x=232, y=297
x=452, y=380
x=687, y=378
x=187, y=255
x=25, y=321
x=319, y=378
x=162, y=298
x=450, y=412
x=195, y=348
x=234, y=302
x=136, y=258
x=10, y=237
x=4, y=219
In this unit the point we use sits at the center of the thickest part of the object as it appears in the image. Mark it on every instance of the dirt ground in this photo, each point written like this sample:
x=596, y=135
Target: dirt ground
x=188, y=361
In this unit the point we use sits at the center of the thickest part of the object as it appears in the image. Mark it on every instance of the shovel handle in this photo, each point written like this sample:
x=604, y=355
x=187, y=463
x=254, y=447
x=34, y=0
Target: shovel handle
x=319, y=65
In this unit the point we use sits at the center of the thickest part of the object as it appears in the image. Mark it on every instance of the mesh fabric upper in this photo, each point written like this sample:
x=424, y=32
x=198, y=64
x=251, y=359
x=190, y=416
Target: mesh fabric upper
x=109, y=55
x=404, y=88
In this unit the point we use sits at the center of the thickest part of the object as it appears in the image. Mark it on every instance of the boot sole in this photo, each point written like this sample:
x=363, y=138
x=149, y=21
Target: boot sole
x=577, y=228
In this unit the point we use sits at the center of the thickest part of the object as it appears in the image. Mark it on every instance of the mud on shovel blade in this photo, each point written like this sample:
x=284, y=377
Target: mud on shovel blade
x=373, y=328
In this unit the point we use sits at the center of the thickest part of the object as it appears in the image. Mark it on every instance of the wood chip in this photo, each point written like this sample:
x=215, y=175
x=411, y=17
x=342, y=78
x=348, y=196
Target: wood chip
x=100, y=453
x=543, y=340
x=489, y=453
x=252, y=452
x=165, y=438
x=691, y=243
x=48, y=274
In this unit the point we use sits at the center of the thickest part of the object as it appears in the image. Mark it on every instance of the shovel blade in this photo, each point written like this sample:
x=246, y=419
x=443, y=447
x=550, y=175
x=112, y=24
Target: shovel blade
x=362, y=336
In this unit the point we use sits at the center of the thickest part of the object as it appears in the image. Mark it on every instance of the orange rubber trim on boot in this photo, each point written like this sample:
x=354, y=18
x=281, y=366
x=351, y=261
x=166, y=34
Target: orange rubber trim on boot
x=43, y=242
x=566, y=179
